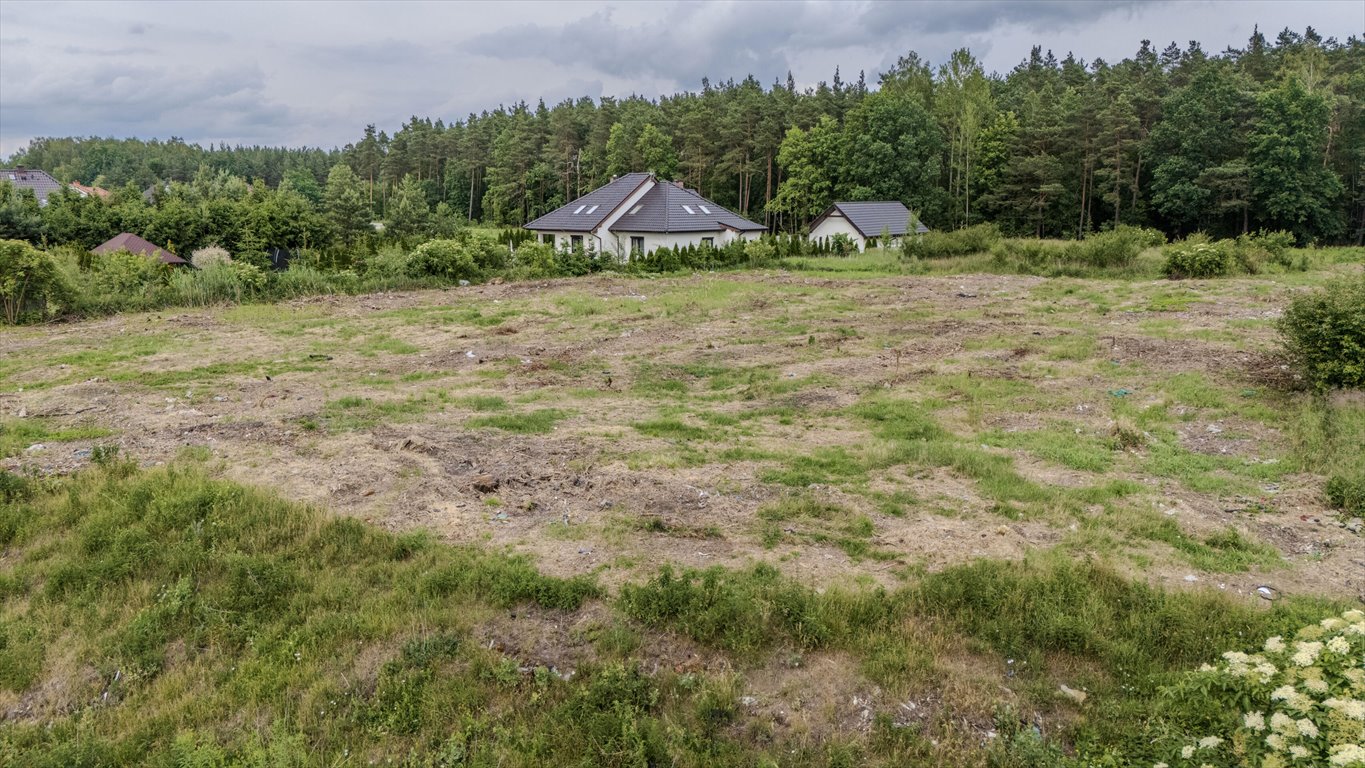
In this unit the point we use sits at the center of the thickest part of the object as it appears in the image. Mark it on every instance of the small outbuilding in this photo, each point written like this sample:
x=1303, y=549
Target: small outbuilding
x=127, y=241
x=864, y=222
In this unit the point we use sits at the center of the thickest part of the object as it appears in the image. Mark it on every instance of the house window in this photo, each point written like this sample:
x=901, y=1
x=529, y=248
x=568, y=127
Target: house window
x=547, y=239
x=709, y=242
x=637, y=244
x=576, y=241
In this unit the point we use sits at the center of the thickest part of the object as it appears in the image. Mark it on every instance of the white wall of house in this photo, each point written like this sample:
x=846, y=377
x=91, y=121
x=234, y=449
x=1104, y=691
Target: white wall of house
x=619, y=242
x=564, y=239
x=835, y=224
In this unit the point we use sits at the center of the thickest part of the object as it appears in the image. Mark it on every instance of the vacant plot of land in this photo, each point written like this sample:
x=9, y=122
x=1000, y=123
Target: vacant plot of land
x=998, y=452
x=843, y=430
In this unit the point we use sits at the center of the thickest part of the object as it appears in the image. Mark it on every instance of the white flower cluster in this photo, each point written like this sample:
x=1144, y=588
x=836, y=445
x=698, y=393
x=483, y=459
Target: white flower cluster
x=1312, y=691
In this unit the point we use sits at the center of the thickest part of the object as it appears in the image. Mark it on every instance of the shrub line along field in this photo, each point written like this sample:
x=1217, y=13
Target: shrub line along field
x=821, y=431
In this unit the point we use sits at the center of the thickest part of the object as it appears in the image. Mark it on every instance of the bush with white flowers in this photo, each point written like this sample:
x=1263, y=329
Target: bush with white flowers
x=1301, y=702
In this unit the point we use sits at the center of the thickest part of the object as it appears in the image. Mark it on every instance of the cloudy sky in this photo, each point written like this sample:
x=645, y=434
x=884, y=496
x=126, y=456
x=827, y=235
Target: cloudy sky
x=315, y=73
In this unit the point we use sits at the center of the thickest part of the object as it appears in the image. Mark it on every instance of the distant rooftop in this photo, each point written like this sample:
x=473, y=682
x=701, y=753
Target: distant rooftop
x=871, y=218
x=665, y=207
x=40, y=182
x=130, y=242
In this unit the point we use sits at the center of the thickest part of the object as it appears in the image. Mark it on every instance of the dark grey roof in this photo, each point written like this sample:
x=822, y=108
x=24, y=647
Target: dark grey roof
x=592, y=208
x=872, y=218
x=662, y=209
x=665, y=209
x=28, y=178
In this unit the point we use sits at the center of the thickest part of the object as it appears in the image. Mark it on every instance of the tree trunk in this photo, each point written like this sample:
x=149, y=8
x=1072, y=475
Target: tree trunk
x=1118, y=182
x=1080, y=221
x=768, y=193
x=1137, y=178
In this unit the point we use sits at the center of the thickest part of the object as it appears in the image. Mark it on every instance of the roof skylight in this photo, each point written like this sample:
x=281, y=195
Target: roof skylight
x=590, y=210
x=703, y=208
x=579, y=209
x=636, y=209
x=688, y=208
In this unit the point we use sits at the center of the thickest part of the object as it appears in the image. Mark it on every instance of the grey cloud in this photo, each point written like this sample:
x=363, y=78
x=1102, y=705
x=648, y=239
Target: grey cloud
x=690, y=41
x=144, y=100
x=947, y=16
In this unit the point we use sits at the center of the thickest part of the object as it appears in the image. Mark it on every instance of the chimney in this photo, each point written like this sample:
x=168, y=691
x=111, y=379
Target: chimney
x=679, y=185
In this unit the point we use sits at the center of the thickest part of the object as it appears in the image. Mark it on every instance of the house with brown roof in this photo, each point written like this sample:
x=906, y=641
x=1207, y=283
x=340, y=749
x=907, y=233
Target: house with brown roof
x=638, y=213
x=40, y=182
x=127, y=241
x=85, y=191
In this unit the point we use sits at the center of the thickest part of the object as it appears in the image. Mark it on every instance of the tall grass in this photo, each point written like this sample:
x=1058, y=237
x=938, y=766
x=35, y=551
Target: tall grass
x=161, y=617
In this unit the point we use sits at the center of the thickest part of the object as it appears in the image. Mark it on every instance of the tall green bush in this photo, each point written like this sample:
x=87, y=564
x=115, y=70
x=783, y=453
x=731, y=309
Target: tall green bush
x=29, y=281
x=962, y=242
x=536, y=260
x=443, y=258
x=1324, y=334
x=1198, y=257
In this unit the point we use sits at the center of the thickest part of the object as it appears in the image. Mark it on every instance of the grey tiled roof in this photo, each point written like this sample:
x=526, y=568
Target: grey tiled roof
x=605, y=198
x=661, y=209
x=871, y=218
x=29, y=178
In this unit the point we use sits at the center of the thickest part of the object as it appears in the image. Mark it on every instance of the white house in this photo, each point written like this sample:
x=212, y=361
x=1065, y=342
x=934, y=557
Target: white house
x=638, y=213
x=865, y=221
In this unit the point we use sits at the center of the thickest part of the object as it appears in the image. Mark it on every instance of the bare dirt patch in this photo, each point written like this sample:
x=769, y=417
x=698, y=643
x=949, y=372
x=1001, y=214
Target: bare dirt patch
x=675, y=400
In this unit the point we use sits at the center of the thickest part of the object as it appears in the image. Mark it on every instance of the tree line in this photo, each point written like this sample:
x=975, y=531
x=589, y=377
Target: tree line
x=1268, y=136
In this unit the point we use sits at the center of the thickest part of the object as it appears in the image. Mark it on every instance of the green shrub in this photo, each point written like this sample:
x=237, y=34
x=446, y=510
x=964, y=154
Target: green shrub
x=13, y=488
x=1298, y=701
x=536, y=260
x=1255, y=250
x=961, y=242
x=1118, y=247
x=1268, y=246
x=759, y=252
x=387, y=263
x=1032, y=255
x=1324, y=334
x=443, y=258
x=1347, y=494
x=29, y=281
x=841, y=245
x=1199, y=257
x=464, y=257
x=126, y=273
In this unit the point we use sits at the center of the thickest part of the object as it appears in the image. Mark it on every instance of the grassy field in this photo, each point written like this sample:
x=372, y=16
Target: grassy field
x=855, y=512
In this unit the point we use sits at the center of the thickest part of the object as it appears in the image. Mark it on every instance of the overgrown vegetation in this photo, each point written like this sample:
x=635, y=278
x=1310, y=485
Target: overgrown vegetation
x=185, y=601
x=1324, y=334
